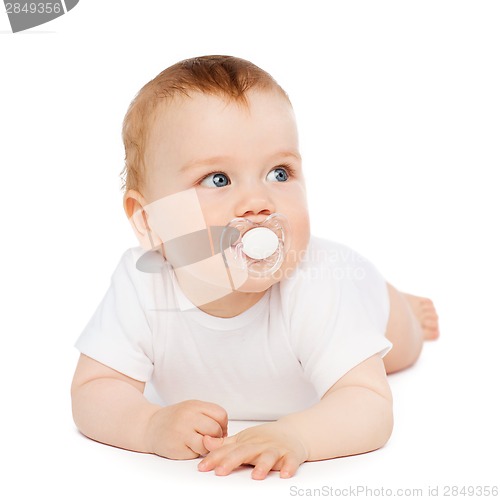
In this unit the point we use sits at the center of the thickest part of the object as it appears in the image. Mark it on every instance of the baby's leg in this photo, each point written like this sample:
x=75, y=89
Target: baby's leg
x=411, y=321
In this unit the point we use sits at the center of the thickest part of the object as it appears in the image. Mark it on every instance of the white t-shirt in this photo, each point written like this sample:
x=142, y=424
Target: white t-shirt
x=278, y=357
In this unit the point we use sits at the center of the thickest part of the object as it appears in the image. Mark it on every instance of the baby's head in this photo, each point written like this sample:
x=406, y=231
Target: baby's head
x=211, y=139
x=228, y=78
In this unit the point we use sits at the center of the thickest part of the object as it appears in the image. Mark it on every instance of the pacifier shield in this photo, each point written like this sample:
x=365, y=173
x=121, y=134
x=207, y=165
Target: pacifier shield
x=257, y=248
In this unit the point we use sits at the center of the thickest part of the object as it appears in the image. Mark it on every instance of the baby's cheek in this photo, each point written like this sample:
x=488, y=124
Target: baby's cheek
x=301, y=229
x=301, y=232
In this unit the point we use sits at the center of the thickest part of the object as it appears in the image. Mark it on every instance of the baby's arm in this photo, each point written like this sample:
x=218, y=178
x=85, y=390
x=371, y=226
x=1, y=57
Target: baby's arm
x=354, y=416
x=110, y=407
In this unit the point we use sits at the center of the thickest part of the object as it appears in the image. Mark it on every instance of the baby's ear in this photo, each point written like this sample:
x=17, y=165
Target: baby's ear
x=133, y=203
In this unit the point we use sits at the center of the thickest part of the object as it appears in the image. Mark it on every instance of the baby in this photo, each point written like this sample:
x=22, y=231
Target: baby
x=230, y=308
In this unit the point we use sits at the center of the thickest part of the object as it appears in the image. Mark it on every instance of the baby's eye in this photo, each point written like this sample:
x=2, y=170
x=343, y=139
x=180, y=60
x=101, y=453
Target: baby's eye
x=277, y=175
x=217, y=179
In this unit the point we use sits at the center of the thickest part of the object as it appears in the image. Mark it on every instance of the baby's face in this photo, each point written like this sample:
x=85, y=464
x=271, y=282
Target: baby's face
x=242, y=162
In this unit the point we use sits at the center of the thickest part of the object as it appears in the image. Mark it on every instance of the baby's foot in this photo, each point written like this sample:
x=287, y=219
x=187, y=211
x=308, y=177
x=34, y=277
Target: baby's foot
x=425, y=312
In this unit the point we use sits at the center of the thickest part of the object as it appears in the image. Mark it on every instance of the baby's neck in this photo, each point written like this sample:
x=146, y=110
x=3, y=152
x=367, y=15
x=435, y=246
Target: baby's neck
x=229, y=303
x=233, y=304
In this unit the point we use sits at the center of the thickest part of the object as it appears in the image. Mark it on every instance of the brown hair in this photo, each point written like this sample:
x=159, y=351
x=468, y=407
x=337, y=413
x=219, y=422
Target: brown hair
x=224, y=76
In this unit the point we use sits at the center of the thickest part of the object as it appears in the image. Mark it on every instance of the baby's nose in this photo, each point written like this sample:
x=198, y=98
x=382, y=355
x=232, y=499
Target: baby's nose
x=255, y=204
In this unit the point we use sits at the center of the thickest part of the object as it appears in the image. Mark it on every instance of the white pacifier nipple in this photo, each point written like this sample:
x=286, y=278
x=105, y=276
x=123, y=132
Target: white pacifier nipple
x=259, y=243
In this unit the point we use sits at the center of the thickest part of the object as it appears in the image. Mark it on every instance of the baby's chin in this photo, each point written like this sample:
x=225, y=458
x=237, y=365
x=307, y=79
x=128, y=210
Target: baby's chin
x=256, y=284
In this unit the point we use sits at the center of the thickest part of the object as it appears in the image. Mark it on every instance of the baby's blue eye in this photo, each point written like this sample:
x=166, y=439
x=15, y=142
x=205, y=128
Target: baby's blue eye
x=215, y=180
x=277, y=175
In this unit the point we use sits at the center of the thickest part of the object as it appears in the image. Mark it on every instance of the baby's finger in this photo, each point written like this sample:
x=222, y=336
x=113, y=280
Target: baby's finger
x=195, y=443
x=216, y=412
x=198, y=442
x=231, y=457
x=208, y=426
x=226, y=458
x=290, y=465
x=212, y=443
x=265, y=462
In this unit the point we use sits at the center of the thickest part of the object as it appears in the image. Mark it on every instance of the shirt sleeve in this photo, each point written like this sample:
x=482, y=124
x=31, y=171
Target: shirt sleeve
x=339, y=309
x=118, y=334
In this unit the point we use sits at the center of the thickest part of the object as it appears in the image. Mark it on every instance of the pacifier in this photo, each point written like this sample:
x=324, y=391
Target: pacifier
x=258, y=248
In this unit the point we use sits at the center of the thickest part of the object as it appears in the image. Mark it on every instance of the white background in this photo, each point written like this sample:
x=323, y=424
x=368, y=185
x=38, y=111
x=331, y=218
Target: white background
x=399, y=115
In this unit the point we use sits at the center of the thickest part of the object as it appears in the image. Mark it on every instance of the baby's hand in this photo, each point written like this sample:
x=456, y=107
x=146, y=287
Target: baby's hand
x=177, y=431
x=268, y=447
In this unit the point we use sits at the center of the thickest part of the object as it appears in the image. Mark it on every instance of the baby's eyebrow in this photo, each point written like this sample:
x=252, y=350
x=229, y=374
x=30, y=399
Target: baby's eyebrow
x=287, y=154
x=204, y=162
x=220, y=160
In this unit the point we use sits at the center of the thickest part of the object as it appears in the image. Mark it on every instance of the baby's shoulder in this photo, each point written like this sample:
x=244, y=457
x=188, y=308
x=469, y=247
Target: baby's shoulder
x=133, y=264
x=332, y=280
x=325, y=267
x=140, y=269
x=325, y=256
